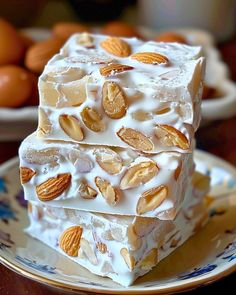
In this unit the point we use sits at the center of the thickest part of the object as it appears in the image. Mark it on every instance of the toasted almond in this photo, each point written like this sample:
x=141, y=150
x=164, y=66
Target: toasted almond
x=44, y=124
x=88, y=251
x=71, y=126
x=92, y=119
x=138, y=175
x=171, y=136
x=114, y=69
x=133, y=239
x=129, y=260
x=162, y=111
x=86, y=191
x=109, y=193
x=135, y=139
x=85, y=40
x=177, y=171
x=41, y=157
x=150, y=58
x=108, y=160
x=150, y=260
x=53, y=187
x=101, y=247
x=141, y=115
x=116, y=46
x=26, y=174
x=114, y=101
x=151, y=199
x=69, y=241
x=144, y=226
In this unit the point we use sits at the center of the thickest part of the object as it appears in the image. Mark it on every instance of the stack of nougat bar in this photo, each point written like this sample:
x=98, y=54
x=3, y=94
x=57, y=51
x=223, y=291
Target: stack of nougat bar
x=109, y=174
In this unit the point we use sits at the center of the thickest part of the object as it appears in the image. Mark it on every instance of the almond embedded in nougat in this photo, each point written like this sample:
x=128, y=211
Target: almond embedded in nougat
x=150, y=58
x=114, y=101
x=150, y=260
x=151, y=199
x=71, y=126
x=88, y=251
x=110, y=194
x=53, y=187
x=138, y=174
x=85, y=40
x=129, y=259
x=86, y=191
x=170, y=136
x=69, y=240
x=92, y=119
x=116, y=46
x=135, y=139
x=44, y=124
x=114, y=69
x=26, y=174
x=108, y=160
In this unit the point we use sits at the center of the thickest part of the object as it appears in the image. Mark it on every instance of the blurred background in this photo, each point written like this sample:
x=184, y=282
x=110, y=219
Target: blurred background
x=31, y=32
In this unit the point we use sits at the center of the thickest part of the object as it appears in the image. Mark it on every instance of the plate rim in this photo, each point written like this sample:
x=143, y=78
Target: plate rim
x=189, y=284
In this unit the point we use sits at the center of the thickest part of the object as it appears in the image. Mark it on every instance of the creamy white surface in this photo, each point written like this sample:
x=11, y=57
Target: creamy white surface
x=97, y=227
x=147, y=87
x=80, y=162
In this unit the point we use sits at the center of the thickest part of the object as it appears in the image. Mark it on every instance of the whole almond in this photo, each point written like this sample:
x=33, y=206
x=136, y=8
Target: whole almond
x=53, y=187
x=116, y=46
x=135, y=139
x=129, y=260
x=170, y=136
x=114, y=69
x=114, y=101
x=26, y=174
x=108, y=160
x=150, y=58
x=151, y=199
x=138, y=175
x=71, y=126
x=92, y=119
x=69, y=241
x=40, y=53
x=110, y=194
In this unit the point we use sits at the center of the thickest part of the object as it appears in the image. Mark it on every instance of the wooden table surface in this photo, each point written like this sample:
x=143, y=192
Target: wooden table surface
x=218, y=138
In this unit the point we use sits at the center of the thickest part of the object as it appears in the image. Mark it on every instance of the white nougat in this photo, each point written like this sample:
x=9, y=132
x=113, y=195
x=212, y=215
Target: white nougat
x=120, y=247
x=105, y=179
x=101, y=95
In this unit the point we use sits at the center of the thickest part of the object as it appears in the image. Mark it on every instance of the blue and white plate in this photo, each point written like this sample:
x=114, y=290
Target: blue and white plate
x=185, y=269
